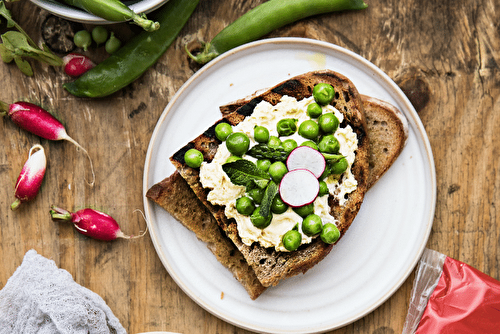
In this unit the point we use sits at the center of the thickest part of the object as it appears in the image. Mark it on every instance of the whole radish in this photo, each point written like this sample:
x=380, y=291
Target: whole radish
x=40, y=122
x=76, y=64
x=31, y=177
x=92, y=223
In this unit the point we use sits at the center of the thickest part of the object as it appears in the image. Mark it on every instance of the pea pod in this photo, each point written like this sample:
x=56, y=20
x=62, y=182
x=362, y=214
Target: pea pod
x=114, y=10
x=137, y=55
x=265, y=18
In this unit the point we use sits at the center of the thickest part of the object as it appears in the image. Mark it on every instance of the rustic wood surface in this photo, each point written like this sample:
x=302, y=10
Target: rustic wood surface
x=443, y=54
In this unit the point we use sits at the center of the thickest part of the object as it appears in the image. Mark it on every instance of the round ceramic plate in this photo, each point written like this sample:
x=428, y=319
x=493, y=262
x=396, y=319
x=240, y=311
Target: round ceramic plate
x=79, y=15
x=371, y=261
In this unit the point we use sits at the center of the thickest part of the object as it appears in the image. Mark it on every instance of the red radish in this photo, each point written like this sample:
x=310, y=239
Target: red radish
x=92, y=223
x=299, y=187
x=76, y=64
x=31, y=177
x=305, y=157
x=40, y=122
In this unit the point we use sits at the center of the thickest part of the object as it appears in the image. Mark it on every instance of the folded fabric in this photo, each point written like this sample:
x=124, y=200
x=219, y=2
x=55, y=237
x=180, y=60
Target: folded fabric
x=41, y=298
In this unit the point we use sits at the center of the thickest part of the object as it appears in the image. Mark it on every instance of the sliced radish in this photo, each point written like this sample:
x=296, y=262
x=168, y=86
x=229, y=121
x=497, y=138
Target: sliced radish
x=299, y=187
x=305, y=157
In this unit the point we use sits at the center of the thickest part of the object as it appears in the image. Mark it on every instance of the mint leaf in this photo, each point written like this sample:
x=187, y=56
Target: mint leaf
x=245, y=173
x=267, y=200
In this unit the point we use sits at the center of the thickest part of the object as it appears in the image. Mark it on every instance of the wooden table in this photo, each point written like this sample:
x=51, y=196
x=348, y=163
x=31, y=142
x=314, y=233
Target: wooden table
x=443, y=54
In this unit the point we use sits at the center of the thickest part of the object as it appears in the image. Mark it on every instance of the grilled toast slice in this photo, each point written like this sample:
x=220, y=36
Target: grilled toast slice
x=388, y=132
x=270, y=265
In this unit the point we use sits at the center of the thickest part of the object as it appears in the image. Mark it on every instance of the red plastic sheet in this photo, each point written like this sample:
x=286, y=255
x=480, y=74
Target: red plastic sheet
x=465, y=300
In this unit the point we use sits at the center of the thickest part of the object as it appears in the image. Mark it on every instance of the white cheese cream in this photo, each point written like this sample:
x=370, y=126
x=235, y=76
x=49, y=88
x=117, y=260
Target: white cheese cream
x=224, y=192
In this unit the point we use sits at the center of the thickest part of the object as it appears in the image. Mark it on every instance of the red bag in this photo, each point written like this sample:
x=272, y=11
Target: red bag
x=451, y=297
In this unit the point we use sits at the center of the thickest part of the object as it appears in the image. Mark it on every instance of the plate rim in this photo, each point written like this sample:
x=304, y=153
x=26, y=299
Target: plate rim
x=69, y=13
x=422, y=135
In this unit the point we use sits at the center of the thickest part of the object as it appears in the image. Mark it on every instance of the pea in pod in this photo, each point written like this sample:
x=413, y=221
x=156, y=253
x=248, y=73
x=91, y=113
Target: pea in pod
x=265, y=18
x=114, y=10
x=137, y=55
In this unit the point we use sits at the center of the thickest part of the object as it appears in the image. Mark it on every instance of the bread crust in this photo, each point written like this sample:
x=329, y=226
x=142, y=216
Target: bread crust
x=270, y=265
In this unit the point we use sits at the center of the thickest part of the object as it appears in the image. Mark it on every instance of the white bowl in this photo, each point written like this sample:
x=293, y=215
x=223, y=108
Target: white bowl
x=79, y=15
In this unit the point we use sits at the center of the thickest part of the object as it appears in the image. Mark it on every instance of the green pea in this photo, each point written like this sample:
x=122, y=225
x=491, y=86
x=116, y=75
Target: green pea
x=310, y=143
x=237, y=143
x=339, y=167
x=274, y=142
x=100, y=34
x=232, y=158
x=330, y=233
x=291, y=240
x=263, y=164
x=259, y=221
x=112, y=44
x=312, y=225
x=245, y=206
x=329, y=144
x=256, y=194
x=193, y=158
x=305, y=210
x=309, y=129
x=323, y=93
x=314, y=110
x=277, y=170
x=289, y=145
x=223, y=130
x=323, y=188
x=328, y=123
x=260, y=134
x=286, y=127
x=277, y=205
x=82, y=39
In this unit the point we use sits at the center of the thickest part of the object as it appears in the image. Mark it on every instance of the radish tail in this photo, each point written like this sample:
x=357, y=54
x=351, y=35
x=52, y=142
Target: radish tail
x=120, y=234
x=71, y=140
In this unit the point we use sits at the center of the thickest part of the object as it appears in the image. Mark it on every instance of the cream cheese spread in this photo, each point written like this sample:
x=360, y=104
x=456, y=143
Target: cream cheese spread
x=224, y=192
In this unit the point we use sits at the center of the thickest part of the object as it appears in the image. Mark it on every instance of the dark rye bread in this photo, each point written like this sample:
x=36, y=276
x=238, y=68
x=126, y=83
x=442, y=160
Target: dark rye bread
x=269, y=265
x=388, y=132
x=176, y=197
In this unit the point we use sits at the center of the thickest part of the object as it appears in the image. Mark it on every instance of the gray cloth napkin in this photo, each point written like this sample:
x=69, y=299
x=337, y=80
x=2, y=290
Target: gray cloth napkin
x=41, y=298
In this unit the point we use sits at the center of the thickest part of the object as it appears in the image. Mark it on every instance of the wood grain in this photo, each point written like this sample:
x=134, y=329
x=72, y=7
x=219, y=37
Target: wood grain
x=444, y=55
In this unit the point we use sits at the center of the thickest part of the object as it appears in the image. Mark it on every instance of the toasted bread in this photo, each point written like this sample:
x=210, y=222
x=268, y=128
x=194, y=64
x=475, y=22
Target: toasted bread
x=176, y=197
x=388, y=132
x=270, y=265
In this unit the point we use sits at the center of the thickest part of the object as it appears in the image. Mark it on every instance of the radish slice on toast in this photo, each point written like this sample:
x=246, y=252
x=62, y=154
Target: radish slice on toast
x=305, y=157
x=299, y=187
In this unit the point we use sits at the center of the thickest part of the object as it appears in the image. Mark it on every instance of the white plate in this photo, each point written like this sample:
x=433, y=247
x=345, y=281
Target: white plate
x=374, y=257
x=68, y=12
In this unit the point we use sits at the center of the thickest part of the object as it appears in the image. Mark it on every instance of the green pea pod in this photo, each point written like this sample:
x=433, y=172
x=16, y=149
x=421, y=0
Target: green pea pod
x=267, y=17
x=130, y=61
x=114, y=10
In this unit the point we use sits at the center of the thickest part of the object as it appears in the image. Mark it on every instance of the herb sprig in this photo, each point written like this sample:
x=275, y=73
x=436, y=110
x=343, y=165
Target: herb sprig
x=18, y=44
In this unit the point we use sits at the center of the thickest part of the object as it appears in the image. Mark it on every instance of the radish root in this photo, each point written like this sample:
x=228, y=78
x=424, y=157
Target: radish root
x=141, y=233
x=71, y=140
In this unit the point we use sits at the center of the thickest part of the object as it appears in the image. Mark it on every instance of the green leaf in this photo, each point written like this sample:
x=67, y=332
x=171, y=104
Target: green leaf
x=332, y=157
x=267, y=200
x=245, y=173
x=263, y=151
x=6, y=54
x=24, y=66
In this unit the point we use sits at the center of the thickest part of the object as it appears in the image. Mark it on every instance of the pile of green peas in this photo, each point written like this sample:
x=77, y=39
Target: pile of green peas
x=100, y=35
x=318, y=132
